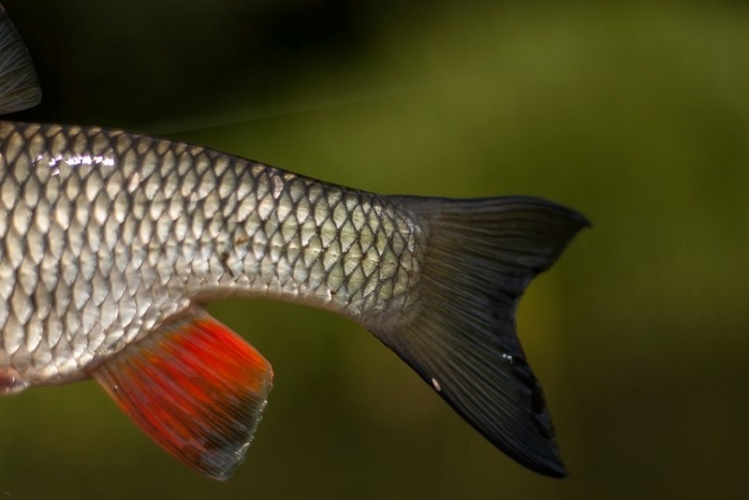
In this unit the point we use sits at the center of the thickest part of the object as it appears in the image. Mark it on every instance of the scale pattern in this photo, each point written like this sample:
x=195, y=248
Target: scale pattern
x=104, y=235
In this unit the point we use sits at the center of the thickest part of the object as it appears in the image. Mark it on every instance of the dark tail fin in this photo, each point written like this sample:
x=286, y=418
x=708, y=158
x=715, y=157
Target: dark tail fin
x=480, y=256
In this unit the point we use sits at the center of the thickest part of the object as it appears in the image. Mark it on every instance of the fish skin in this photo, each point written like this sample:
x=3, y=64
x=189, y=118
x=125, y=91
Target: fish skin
x=106, y=234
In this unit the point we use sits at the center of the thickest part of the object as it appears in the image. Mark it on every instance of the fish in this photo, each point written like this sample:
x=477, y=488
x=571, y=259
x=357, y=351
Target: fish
x=112, y=242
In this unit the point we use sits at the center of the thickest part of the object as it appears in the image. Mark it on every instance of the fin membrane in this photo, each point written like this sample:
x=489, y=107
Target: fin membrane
x=480, y=256
x=19, y=87
x=195, y=387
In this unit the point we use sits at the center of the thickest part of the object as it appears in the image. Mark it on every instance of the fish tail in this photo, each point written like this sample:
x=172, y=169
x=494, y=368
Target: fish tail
x=480, y=256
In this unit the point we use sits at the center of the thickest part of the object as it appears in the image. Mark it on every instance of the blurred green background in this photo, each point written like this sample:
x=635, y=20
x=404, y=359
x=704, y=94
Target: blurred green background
x=635, y=113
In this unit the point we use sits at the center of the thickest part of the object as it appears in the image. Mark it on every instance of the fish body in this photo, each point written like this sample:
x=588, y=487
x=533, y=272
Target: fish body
x=107, y=234
x=112, y=242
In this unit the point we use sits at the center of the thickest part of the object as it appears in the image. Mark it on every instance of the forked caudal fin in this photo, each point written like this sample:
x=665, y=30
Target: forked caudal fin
x=480, y=256
x=195, y=387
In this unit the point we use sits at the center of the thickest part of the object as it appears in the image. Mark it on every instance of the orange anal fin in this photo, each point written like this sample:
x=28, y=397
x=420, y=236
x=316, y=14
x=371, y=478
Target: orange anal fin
x=195, y=387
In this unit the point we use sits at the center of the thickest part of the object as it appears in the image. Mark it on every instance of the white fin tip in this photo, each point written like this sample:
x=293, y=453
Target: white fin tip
x=436, y=385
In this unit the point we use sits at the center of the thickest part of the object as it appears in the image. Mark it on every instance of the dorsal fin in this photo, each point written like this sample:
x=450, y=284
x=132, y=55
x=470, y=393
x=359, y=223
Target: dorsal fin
x=19, y=86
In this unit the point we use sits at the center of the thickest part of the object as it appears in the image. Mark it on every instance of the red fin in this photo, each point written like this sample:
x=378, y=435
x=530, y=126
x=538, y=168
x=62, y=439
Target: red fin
x=195, y=387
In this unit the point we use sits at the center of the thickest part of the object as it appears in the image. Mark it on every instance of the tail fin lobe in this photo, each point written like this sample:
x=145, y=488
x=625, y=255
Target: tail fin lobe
x=480, y=256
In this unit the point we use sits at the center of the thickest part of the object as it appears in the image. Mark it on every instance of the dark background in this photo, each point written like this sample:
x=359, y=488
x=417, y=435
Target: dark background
x=635, y=113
